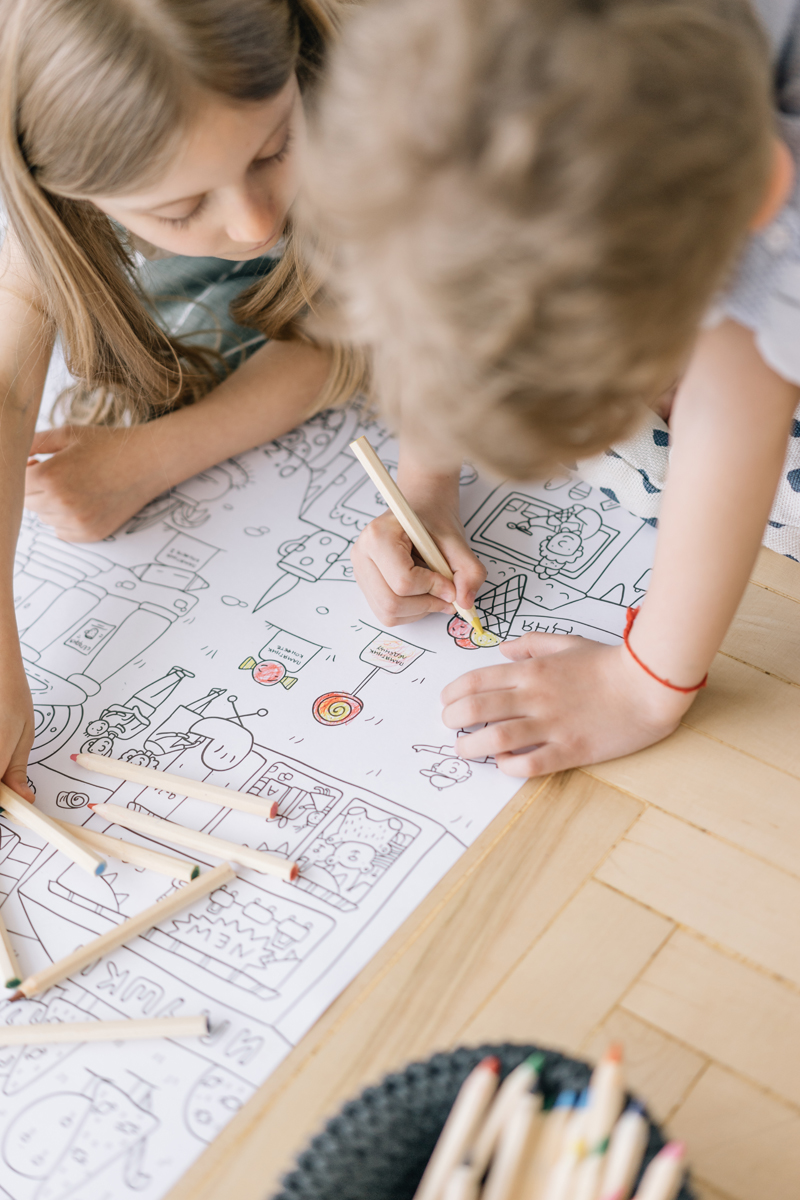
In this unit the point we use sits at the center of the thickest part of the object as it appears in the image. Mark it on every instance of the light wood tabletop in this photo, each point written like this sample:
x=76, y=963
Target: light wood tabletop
x=655, y=900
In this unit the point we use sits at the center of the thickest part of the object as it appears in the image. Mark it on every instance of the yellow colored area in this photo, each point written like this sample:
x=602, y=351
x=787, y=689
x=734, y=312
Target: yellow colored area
x=484, y=638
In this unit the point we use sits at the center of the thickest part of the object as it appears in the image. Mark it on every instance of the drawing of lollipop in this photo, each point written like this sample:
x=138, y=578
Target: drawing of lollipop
x=337, y=708
x=384, y=653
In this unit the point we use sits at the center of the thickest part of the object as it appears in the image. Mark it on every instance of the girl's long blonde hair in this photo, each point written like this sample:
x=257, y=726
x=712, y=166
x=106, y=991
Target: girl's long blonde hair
x=94, y=96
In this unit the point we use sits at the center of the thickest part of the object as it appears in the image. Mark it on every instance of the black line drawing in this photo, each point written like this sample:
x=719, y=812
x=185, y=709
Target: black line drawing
x=66, y=1139
x=282, y=652
x=216, y=1096
x=186, y=504
x=449, y=770
x=386, y=652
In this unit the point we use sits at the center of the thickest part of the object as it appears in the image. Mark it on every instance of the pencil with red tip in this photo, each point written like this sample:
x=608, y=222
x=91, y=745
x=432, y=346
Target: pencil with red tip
x=179, y=784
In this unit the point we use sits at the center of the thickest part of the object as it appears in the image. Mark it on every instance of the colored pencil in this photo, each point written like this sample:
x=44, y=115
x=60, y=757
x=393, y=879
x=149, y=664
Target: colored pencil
x=663, y=1178
x=421, y=539
x=513, y=1148
x=625, y=1153
x=463, y=1184
x=606, y=1098
x=31, y=817
x=522, y=1079
x=159, y=827
x=49, y=1032
x=562, y=1175
x=136, y=855
x=550, y=1143
x=9, y=967
x=178, y=784
x=459, y=1130
x=80, y=958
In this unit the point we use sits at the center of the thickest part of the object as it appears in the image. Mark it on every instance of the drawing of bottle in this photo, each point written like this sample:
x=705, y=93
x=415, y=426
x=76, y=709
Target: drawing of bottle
x=200, y=706
x=306, y=558
x=128, y=719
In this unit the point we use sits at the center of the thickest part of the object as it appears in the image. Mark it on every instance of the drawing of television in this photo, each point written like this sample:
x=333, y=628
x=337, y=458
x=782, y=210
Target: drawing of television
x=522, y=528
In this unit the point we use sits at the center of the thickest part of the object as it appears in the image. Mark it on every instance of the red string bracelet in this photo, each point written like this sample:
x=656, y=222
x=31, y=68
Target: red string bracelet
x=632, y=615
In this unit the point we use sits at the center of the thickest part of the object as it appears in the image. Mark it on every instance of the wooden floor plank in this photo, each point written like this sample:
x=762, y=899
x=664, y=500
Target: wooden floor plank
x=656, y=1066
x=719, y=789
x=573, y=975
x=427, y=981
x=728, y=1011
x=756, y=713
x=766, y=633
x=706, y=1191
x=778, y=573
x=745, y=1142
x=720, y=891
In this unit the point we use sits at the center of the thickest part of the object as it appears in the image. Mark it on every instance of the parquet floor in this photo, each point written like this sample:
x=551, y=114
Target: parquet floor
x=655, y=899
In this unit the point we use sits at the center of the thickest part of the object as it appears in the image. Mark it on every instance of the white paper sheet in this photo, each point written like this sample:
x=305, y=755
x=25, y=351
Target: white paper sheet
x=220, y=635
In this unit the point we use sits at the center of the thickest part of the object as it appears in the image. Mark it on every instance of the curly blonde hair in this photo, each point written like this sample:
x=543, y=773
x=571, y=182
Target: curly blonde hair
x=94, y=96
x=534, y=202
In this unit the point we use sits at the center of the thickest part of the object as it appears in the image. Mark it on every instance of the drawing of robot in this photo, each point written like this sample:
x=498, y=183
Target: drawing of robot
x=384, y=653
x=82, y=617
x=280, y=651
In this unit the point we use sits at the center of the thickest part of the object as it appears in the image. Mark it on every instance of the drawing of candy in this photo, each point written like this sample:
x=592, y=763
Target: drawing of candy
x=336, y=708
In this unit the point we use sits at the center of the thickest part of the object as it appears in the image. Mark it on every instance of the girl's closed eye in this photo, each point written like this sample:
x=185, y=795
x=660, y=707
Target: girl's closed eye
x=278, y=157
x=182, y=222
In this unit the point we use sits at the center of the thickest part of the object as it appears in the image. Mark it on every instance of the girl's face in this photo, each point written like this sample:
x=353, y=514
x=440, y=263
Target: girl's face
x=230, y=187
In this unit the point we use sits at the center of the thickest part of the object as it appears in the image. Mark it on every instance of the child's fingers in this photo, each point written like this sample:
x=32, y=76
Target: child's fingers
x=469, y=572
x=540, y=760
x=485, y=679
x=503, y=705
x=539, y=645
x=385, y=543
x=390, y=608
x=502, y=737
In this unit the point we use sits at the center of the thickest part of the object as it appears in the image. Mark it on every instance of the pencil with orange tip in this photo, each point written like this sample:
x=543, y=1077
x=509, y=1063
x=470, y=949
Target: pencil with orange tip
x=31, y=817
x=9, y=967
x=466, y=1115
x=421, y=539
x=178, y=784
x=120, y=934
x=663, y=1178
x=193, y=839
x=606, y=1098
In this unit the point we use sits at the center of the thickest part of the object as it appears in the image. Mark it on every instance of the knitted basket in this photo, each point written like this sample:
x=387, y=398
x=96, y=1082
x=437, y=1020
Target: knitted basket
x=379, y=1144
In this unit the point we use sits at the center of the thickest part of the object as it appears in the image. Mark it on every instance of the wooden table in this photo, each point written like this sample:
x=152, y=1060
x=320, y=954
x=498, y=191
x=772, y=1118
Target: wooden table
x=655, y=899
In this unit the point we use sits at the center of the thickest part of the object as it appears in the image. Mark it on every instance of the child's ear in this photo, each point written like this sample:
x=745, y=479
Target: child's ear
x=778, y=187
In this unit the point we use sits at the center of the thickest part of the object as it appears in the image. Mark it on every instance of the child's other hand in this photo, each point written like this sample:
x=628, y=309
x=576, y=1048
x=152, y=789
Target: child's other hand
x=398, y=589
x=16, y=719
x=563, y=702
x=97, y=479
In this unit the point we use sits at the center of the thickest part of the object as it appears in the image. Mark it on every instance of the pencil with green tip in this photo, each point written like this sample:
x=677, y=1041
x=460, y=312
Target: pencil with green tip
x=9, y=967
x=421, y=540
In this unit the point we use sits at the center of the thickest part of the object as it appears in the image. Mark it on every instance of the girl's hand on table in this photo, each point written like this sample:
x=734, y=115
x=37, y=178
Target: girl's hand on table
x=97, y=479
x=562, y=702
x=16, y=723
x=397, y=587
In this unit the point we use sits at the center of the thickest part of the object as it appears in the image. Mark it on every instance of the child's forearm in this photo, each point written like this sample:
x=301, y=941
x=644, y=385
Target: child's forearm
x=729, y=430
x=270, y=394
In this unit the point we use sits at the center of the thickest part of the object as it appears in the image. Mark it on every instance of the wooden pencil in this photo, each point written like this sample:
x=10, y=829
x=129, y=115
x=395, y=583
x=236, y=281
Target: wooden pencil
x=160, y=911
x=179, y=784
x=159, y=827
x=521, y=1080
x=421, y=539
x=513, y=1147
x=49, y=1032
x=136, y=855
x=9, y=967
x=31, y=817
x=466, y=1115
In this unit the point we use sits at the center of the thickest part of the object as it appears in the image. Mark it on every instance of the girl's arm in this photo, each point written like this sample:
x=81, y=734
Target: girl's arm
x=99, y=477
x=565, y=701
x=25, y=347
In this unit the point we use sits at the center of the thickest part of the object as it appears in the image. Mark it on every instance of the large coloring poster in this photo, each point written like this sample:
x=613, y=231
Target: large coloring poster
x=220, y=635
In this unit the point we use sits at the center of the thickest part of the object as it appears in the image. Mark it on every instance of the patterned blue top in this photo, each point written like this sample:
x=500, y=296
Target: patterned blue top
x=765, y=294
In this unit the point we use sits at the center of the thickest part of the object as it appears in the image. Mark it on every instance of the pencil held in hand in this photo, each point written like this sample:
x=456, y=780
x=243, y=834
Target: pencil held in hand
x=421, y=539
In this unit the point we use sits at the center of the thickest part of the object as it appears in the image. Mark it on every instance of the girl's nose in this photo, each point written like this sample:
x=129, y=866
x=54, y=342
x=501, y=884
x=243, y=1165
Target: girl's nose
x=250, y=220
